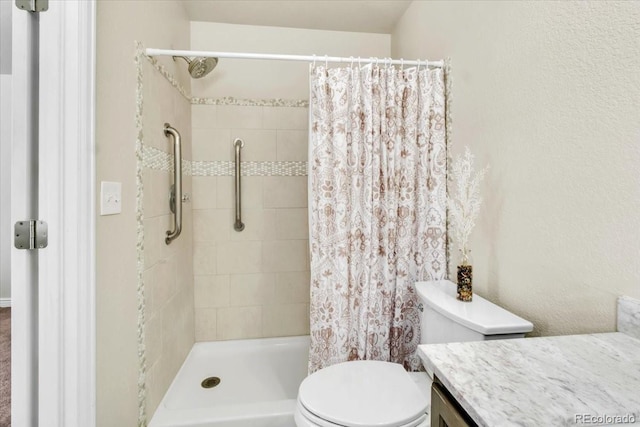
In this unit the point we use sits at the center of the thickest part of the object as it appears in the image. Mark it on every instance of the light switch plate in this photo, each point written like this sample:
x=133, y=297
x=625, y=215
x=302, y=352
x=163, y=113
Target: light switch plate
x=110, y=198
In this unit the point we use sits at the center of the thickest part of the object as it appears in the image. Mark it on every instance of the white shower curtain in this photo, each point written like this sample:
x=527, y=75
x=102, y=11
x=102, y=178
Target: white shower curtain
x=377, y=177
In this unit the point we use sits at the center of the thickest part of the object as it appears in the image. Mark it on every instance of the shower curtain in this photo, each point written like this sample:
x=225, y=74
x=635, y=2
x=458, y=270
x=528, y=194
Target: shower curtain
x=377, y=216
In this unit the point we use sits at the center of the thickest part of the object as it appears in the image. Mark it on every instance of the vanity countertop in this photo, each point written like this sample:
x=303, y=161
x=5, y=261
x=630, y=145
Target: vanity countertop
x=545, y=381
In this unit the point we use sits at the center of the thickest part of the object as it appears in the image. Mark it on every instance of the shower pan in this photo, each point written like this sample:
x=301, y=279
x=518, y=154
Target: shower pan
x=258, y=384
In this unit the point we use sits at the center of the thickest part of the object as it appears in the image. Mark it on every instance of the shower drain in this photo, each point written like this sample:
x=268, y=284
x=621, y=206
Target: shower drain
x=210, y=382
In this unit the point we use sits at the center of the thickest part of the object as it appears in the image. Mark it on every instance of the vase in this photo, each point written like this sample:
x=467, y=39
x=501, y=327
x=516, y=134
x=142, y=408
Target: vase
x=465, y=282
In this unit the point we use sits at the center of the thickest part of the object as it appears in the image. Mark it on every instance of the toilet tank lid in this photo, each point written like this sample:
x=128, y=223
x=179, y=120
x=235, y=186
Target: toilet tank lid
x=479, y=315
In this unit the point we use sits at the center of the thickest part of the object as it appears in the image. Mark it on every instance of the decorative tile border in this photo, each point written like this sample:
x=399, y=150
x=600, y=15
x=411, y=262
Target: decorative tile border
x=152, y=158
x=221, y=168
x=229, y=100
x=155, y=159
x=166, y=74
x=142, y=359
x=629, y=316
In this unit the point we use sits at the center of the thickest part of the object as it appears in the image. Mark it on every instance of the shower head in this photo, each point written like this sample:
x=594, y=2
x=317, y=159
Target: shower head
x=199, y=66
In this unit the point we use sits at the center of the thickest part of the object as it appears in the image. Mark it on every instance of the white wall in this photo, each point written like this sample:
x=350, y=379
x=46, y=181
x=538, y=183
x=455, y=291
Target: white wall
x=547, y=94
x=5, y=153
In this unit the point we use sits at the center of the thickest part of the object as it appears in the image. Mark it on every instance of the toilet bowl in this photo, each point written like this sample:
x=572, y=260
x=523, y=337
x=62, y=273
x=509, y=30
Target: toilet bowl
x=358, y=394
x=373, y=393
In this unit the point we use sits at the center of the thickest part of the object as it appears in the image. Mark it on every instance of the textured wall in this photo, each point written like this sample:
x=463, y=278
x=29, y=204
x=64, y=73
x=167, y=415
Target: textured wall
x=119, y=24
x=547, y=94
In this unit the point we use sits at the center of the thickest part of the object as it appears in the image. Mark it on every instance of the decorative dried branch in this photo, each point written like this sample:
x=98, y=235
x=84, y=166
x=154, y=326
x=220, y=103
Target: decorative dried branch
x=464, y=205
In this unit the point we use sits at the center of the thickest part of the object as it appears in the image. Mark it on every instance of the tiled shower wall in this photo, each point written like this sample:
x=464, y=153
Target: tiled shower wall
x=168, y=269
x=256, y=283
x=253, y=283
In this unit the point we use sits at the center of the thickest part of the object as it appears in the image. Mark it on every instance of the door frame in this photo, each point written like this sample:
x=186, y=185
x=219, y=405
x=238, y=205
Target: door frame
x=67, y=310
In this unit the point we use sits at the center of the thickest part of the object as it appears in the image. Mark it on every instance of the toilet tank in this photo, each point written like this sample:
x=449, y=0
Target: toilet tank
x=445, y=319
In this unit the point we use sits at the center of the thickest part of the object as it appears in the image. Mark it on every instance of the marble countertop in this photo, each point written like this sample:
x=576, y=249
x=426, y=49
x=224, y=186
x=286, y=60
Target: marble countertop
x=547, y=381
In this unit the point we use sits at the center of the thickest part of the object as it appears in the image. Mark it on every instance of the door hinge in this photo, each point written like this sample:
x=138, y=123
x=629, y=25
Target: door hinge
x=31, y=234
x=33, y=5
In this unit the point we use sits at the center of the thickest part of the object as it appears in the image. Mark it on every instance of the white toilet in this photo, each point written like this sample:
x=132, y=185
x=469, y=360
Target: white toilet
x=382, y=394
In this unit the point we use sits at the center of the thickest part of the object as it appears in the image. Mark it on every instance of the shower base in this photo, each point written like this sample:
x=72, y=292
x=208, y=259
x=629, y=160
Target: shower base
x=257, y=387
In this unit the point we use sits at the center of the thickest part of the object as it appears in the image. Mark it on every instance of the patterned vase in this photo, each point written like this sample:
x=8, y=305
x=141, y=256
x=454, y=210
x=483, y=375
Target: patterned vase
x=465, y=282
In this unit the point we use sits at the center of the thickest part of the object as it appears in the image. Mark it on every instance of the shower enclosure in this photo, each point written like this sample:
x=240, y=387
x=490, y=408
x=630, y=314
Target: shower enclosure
x=218, y=282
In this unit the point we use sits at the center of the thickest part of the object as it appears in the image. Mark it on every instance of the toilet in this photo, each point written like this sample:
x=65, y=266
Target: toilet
x=373, y=393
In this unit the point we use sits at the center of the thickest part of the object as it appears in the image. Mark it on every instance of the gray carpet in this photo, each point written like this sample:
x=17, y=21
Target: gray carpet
x=5, y=367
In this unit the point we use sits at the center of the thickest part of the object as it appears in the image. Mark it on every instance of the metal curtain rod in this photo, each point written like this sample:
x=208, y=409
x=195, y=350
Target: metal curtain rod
x=302, y=58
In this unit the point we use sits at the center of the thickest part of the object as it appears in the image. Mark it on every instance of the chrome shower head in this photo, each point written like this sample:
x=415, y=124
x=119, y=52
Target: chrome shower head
x=199, y=66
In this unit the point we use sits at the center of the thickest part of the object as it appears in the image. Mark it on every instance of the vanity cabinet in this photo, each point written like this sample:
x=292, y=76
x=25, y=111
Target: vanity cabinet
x=445, y=411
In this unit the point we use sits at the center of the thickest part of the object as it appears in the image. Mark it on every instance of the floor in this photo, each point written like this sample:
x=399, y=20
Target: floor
x=5, y=367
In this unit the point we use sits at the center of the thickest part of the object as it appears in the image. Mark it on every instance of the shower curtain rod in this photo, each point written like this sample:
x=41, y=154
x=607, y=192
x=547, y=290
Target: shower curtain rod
x=302, y=58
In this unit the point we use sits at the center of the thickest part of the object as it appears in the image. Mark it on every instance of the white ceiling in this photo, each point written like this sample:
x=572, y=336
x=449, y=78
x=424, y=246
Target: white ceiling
x=368, y=16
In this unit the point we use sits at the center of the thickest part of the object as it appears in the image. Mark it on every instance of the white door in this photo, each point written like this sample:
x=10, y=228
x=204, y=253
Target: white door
x=24, y=205
x=53, y=320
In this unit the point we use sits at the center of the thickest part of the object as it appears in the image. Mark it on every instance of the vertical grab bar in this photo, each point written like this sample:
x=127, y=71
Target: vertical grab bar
x=176, y=191
x=238, y=226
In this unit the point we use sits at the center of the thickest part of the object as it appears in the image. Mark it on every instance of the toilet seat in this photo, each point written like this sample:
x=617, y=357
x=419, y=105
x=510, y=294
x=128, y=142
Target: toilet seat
x=304, y=418
x=361, y=394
